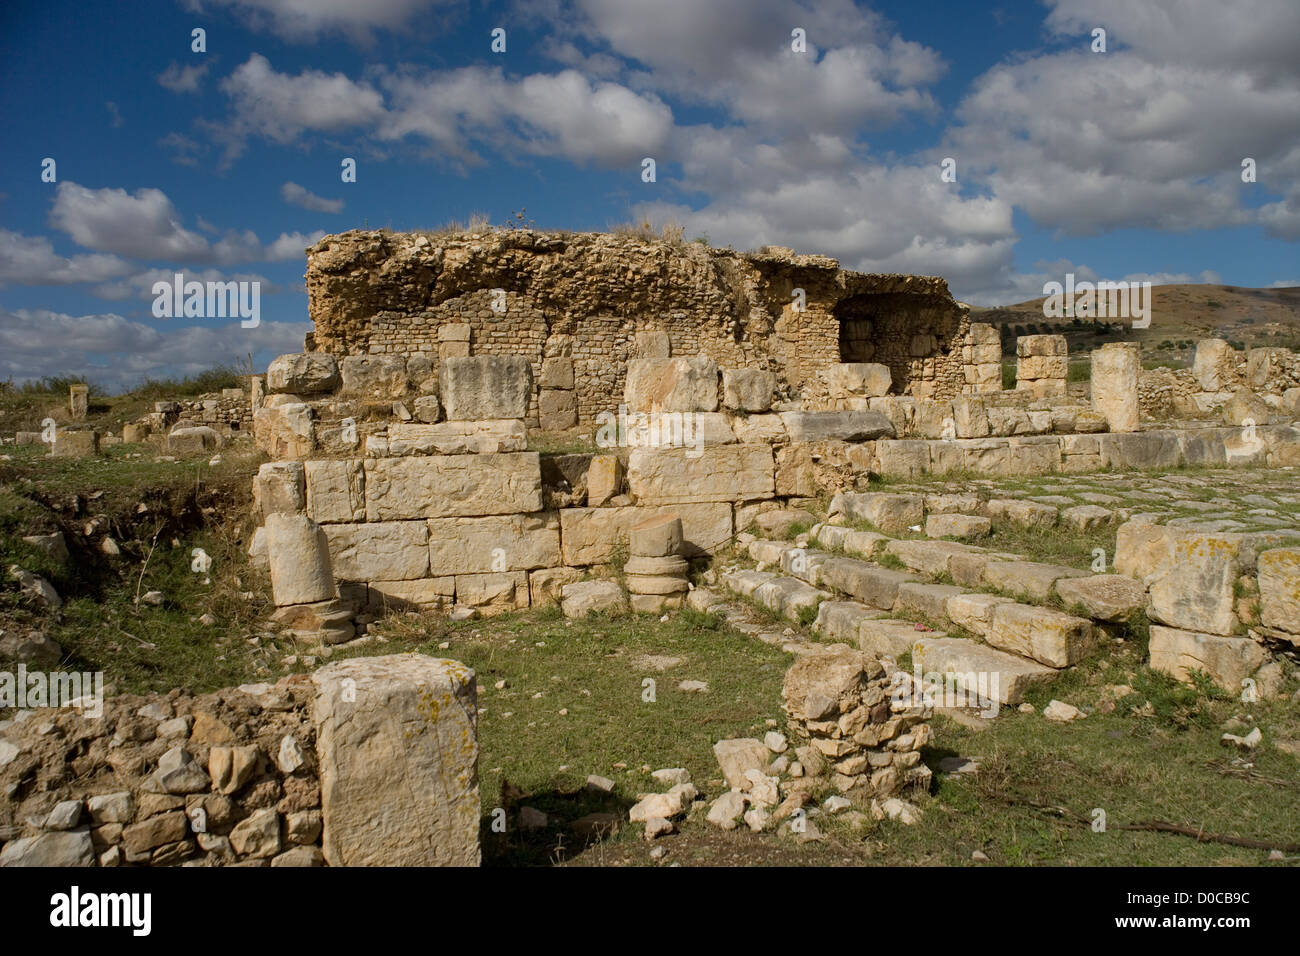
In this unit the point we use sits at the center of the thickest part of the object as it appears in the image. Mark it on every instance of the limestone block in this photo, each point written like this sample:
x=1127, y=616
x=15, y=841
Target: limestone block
x=379, y=551
x=1006, y=678
x=557, y=373
x=493, y=593
x=974, y=611
x=653, y=345
x=517, y=542
x=1040, y=634
x=1227, y=660
x=457, y=438
x=1042, y=366
x=1217, y=366
x=335, y=490
x=1106, y=597
x=891, y=513
x=714, y=473
x=593, y=535
x=374, y=376
x=485, y=387
x=452, y=485
x=299, y=557
x=585, y=597
x=759, y=428
x=1190, y=574
x=841, y=426
x=396, y=739
x=1115, y=370
x=868, y=583
x=545, y=585
x=557, y=409
x=286, y=430
x=411, y=595
x=856, y=380
x=1279, y=589
x=970, y=418
x=195, y=440
x=1142, y=450
x=902, y=459
x=684, y=384
x=957, y=526
x=1036, y=345
x=303, y=373
x=1031, y=578
x=280, y=486
x=656, y=537
x=427, y=409
x=748, y=389
x=604, y=479
x=82, y=443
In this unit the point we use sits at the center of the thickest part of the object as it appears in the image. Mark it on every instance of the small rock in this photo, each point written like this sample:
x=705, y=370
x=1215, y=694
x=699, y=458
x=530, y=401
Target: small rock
x=672, y=776
x=775, y=742
x=1027, y=708
x=1061, y=712
x=154, y=598
x=600, y=784
x=65, y=815
x=658, y=853
x=693, y=686
x=757, y=818
x=657, y=826
x=979, y=856
x=1248, y=742
x=896, y=809
x=836, y=804
x=290, y=757
x=726, y=809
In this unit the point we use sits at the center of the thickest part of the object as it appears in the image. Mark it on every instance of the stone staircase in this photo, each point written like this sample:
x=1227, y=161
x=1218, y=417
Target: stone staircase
x=1012, y=644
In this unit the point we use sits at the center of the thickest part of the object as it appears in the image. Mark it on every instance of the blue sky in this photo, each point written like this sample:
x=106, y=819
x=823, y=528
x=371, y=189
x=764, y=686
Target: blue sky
x=225, y=164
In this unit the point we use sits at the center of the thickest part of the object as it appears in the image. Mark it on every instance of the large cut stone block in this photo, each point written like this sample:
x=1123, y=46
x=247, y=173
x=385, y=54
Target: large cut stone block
x=714, y=473
x=299, y=556
x=1279, y=589
x=81, y=443
x=494, y=544
x=375, y=376
x=1040, y=634
x=280, y=487
x=479, y=387
x=595, y=535
x=1227, y=660
x=866, y=582
x=684, y=384
x=856, y=380
x=285, y=431
x=335, y=490
x=379, y=551
x=457, y=438
x=748, y=389
x=841, y=426
x=1115, y=370
x=890, y=513
x=452, y=486
x=1190, y=574
x=411, y=595
x=1217, y=366
x=396, y=739
x=303, y=373
x=493, y=593
x=1005, y=677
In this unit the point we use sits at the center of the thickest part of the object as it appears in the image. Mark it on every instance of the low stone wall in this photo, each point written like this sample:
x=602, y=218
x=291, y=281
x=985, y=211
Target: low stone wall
x=369, y=761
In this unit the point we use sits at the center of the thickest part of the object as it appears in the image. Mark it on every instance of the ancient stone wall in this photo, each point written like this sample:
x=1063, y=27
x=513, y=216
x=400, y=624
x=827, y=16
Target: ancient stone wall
x=587, y=295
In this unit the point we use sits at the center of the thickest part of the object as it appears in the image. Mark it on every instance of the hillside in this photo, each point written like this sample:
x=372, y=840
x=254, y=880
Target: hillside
x=1180, y=315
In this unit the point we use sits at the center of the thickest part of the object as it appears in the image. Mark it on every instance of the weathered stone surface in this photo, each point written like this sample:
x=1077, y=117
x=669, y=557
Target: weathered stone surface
x=1279, y=589
x=1106, y=597
x=928, y=557
x=1087, y=517
x=867, y=583
x=411, y=595
x=285, y=431
x=683, y=384
x=759, y=428
x=67, y=848
x=396, y=740
x=280, y=486
x=585, y=597
x=657, y=536
x=493, y=593
x=1027, y=577
x=1227, y=660
x=1005, y=676
x=545, y=586
x=452, y=486
x=593, y=535
x=604, y=479
x=299, y=556
x=838, y=426
x=809, y=469
x=155, y=831
x=788, y=596
x=717, y=473
x=1245, y=407
x=747, y=389
x=1115, y=370
x=303, y=373
x=957, y=526
x=481, y=387
x=557, y=409
x=888, y=637
x=974, y=612
x=379, y=551
x=335, y=490
x=902, y=459
x=193, y=440
x=1190, y=574
x=863, y=544
x=890, y=513
x=78, y=443
x=735, y=757
x=374, y=376
x=494, y=544
x=1216, y=367
x=427, y=409
x=856, y=380
x=840, y=620
x=1040, y=634
x=1141, y=450
x=928, y=600
x=457, y=438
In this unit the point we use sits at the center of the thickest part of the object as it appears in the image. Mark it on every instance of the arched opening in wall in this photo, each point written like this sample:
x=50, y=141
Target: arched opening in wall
x=904, y=331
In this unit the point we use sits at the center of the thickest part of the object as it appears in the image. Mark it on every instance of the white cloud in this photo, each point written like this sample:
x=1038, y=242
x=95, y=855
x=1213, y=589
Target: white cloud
x=306, y=20
x=297, y=195
x=31, y=260
x=140, y=285
x=146, y=225
x=183, y=79
x=118, y=354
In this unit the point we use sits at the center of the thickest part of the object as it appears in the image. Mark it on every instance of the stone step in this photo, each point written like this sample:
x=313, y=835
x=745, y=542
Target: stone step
x=840, y=620
x=1030, y=578
x=803, y=563
x=929, y=557
x=788, y=596
x=890, y=637
x=1006, y=677
x=862, y=544
x=868, y=583
x=745, y=582
x=1041, y=634
x=767, y=552
x=928, y=600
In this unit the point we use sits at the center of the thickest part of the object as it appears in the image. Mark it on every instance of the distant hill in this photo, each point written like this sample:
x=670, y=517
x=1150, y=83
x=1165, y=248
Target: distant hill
x=1180, y=315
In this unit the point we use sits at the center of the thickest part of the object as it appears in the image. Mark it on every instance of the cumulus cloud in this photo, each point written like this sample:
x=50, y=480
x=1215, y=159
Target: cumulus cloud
x=146, y=225
x=183, y=79
x=297, y=195
x=31, y=260
x=117, y=353
x=140, y=284
x=307, y=20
